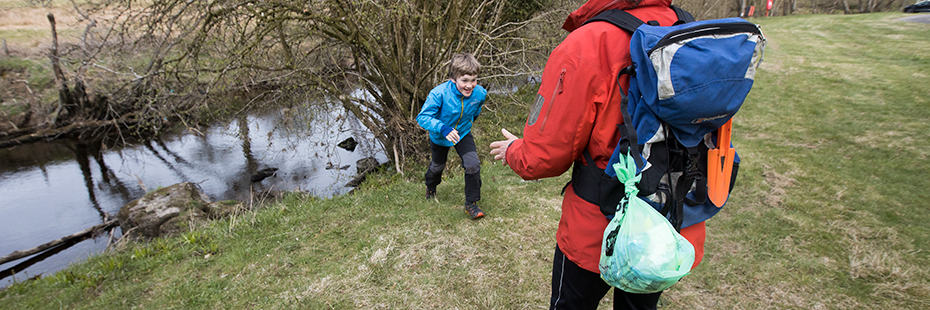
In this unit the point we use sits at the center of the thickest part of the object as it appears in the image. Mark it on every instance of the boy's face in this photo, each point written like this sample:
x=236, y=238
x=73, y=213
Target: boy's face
x=466, y=84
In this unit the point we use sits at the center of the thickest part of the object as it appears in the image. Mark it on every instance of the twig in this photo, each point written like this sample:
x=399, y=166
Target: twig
x=396, y=161
x=27, y=85
x=141, y=184
x=110, y=239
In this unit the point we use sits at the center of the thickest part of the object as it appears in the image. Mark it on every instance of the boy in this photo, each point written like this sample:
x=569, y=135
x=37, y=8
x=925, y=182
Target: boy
x=447, y=114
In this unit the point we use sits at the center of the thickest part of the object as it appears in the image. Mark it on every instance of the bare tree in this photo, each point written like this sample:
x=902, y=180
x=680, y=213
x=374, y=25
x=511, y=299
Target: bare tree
x=377, y=58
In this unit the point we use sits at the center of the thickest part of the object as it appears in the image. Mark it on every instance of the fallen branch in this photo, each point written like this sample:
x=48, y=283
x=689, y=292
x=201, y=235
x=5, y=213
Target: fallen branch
x=17, y=132
x=52, y=133
x=82, y=234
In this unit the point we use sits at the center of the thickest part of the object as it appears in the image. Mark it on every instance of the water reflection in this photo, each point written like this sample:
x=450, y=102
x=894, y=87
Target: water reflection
x=54, y=189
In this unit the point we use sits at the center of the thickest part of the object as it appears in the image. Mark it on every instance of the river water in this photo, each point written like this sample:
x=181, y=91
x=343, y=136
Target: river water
x=49, y=190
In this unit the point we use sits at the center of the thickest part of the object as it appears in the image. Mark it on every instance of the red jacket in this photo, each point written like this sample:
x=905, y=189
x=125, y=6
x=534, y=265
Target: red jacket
x=578, y=107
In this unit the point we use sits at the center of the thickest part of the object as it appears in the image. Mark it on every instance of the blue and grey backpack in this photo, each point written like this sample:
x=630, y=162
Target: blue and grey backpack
x=686, y=83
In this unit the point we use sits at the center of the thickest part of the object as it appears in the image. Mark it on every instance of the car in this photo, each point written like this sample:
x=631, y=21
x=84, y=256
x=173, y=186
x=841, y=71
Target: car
x=922, y=6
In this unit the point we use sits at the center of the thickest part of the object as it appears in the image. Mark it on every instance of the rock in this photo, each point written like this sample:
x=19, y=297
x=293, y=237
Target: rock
x=348, y=144
x=364, y=164
x=262, y=174
x=171, y=210
x=330, y=166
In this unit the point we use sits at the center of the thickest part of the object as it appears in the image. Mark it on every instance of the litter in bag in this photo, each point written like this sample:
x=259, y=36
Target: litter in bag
x=641, y=252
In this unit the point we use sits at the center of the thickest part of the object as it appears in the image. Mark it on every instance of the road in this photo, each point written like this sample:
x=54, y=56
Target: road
x=917, y=18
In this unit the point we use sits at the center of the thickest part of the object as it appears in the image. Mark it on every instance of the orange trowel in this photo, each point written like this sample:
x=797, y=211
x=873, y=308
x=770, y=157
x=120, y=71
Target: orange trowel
x=720, y=166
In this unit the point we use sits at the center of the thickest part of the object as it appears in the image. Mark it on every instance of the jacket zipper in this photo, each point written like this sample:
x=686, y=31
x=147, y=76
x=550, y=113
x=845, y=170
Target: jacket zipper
x=555, y=93
x=461, y=115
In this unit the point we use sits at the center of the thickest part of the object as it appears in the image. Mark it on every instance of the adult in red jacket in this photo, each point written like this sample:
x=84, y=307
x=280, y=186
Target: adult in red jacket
x=578, y=108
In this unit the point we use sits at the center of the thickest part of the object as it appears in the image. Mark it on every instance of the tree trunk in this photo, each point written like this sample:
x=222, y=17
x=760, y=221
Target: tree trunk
x=65, y=101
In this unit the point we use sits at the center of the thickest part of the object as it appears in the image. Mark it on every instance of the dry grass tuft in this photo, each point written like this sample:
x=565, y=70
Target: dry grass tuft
x=778, y=183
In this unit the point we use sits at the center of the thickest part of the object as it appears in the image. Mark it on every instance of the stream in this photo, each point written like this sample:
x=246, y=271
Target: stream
x=49, y=190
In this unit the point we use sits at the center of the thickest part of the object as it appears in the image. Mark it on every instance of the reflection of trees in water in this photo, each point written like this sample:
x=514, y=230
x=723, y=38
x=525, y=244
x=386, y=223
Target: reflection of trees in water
x=150, y=147
x=250, y=164
x=175, y=156
x=323, y=124
x=83, y=152
x=82, y=156
x=238, y=185
x=111, y=183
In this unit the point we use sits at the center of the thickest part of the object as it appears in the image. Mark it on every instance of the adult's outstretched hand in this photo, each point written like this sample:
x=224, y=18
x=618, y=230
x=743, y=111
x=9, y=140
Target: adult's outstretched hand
x=499, y=148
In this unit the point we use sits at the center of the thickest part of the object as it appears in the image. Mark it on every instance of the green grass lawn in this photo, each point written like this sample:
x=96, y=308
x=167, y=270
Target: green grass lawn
x=829, y=212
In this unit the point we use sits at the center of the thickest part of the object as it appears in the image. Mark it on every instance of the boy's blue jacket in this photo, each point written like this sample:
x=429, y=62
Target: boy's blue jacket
x=445, y=105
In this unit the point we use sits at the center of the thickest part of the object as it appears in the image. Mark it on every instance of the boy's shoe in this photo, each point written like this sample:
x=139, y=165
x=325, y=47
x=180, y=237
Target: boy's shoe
x=430, y=193
x=473, y=211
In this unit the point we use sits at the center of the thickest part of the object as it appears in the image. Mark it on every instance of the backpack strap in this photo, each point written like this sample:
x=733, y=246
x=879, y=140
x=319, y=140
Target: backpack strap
x=626, y=129
x=619, y=18
x=683, y=16
x=628, y=22
x=593, y=185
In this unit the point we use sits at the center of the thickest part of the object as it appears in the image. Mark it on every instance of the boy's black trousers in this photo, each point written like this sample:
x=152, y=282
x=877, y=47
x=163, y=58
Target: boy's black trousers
x=470, y=162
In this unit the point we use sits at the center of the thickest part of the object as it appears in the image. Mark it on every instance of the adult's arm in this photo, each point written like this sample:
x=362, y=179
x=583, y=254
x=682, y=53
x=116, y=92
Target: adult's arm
x=560, y=123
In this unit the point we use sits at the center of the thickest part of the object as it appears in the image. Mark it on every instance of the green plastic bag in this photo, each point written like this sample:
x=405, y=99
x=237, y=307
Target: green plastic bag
x=641, y=252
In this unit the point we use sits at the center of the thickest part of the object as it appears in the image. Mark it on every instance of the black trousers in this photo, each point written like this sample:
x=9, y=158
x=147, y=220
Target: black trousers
x=470, y=162
x=577, y=288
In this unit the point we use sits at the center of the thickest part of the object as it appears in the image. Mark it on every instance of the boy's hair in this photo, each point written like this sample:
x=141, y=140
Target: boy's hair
x=463, y=64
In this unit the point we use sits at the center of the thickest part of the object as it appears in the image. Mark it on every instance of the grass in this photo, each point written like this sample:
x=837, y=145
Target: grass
x=22, y=81
x=829, y=211
x=26, y=29
x=40, y=76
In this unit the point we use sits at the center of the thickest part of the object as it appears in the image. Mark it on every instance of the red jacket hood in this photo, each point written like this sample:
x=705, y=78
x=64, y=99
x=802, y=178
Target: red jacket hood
x=594, y=7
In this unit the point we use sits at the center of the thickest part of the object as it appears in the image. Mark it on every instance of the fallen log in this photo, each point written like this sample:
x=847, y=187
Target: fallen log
x=18, y=132
x=81, y=234
x=35, y=259
x=52, y=133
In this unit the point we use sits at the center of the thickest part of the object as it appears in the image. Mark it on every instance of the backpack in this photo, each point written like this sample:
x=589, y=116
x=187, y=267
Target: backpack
x=686, y=83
